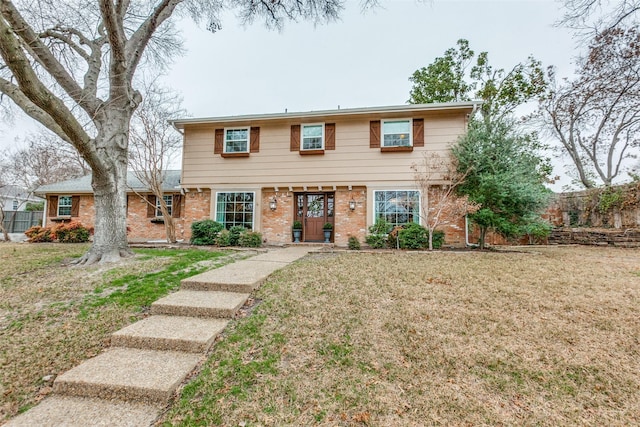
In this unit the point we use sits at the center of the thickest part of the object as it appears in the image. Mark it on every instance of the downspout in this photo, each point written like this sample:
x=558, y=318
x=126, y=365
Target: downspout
x=44, y=212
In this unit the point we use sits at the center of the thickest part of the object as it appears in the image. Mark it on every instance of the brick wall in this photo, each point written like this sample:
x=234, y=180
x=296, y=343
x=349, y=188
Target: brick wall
x=347, y=222
x=194, y=206
x=276, y=225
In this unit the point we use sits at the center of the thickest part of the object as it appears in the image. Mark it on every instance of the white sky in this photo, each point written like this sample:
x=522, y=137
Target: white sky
x=362, y=60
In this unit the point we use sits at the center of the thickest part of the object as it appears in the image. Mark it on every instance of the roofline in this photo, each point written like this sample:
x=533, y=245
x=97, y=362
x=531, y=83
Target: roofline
x=180, y=123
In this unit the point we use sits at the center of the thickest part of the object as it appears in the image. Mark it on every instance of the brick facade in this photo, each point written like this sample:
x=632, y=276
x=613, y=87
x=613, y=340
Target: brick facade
x=194, y=206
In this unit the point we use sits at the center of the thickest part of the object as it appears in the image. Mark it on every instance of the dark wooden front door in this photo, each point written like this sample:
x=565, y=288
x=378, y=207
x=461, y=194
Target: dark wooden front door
x=314, y=210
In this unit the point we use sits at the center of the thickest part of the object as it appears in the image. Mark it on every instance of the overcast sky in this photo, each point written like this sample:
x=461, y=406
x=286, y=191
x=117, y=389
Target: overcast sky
x=359, y=61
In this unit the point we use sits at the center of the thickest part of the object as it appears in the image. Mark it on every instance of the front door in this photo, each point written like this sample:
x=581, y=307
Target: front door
x=314, y=210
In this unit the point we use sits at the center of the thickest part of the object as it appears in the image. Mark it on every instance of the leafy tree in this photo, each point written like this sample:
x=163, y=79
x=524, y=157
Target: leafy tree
x=447, y=80
x=596, y=117
x=70, y=65
x=505, y=177
x=444, y=79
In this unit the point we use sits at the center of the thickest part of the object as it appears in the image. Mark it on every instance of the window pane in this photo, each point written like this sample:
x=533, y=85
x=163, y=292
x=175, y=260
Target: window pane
x=64, y=206
x=396, y=133
x=312, y=137
x=236, y=140
x=397, y=207
x=235, y=209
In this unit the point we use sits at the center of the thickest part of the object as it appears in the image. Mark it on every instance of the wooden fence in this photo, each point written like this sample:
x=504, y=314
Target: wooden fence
x=20, y=221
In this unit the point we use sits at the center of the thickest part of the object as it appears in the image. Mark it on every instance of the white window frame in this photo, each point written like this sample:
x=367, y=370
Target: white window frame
x=253, y=214
x=419, y=201
x=248, y=141
x=169, y=205
x=66, y=206
x=382, y=133
x=302, y=147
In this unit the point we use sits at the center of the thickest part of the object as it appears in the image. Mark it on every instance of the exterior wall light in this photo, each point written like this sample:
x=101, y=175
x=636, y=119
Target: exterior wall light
x=352, y=205
x=273, y=204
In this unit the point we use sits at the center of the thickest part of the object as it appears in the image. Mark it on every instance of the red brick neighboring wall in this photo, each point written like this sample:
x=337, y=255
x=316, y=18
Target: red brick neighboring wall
x=195, y=206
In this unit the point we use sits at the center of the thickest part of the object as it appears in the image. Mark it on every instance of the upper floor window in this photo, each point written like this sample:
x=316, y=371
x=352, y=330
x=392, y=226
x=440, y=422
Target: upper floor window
x=313, y=137
x=15, y=205
x=168, y=199
x=396, y=133
x=236, y=140
x=64, y=205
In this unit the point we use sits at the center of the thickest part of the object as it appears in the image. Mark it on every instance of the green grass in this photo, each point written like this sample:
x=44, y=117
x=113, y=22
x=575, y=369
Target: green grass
x=140, y=291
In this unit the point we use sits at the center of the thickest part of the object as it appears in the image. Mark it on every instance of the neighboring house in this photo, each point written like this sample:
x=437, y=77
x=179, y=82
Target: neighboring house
x=73, y=200
x=14, y=198
x=346, y=167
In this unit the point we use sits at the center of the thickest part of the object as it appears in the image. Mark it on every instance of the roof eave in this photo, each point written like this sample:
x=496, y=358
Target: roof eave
x=467, y=105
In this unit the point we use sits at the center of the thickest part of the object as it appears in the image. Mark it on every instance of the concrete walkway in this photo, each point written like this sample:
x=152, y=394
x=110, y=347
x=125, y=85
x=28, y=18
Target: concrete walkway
x=130, y=383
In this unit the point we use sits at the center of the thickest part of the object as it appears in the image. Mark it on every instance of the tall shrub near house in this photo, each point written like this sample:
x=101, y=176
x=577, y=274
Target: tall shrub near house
x=505, y=177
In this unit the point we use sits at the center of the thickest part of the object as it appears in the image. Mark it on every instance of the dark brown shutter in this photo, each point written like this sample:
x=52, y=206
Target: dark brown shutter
x=52, y=210
x=218, y=146
x=374, y=134
x=75, y=206
x=175, y=207
x=255, y=140
x=418, y=132
x=151, y=206
x=295, y=138
x=330, y=136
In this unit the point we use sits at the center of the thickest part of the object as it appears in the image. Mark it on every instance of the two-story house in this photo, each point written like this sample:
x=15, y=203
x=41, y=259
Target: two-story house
x=346, y=167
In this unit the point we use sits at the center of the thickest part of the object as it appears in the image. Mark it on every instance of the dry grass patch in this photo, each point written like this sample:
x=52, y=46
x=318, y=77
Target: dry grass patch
x=549, y=336
x=53, y=316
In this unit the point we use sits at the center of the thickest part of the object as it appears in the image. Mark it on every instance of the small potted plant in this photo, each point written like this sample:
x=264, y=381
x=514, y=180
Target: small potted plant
x=327, y=227
x=297, y=231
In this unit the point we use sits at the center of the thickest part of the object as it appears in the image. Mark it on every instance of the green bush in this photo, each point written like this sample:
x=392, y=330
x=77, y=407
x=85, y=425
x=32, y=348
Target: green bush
x=377, y=237
x=205, y=232
x=72, y=232
x=415, y=236
x=250, y=239
x=354, y=243
x=224, y=238
x=236, y=231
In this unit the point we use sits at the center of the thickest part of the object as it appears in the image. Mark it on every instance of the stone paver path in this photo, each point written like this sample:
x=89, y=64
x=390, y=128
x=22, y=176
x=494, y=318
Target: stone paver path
x=131, y=382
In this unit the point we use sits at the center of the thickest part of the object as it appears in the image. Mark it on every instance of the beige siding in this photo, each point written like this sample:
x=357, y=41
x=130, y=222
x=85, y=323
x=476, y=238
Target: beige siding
x=351, y=163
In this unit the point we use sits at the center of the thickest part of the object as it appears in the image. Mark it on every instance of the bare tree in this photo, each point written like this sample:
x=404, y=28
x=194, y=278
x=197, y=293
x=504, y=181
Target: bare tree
x=45, y=160
x=437, y=177
x=600, y=15
x=154, y=143
x=70, y=65
x=596, y=117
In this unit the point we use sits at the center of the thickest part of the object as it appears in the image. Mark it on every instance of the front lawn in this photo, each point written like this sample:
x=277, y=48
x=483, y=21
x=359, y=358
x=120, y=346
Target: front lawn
x=544, y=336
x=52, y=317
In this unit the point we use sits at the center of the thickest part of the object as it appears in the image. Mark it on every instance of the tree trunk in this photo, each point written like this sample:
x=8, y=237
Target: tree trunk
x=430, y=239
x=7, y=238
x=110, y=192
x=483, y=236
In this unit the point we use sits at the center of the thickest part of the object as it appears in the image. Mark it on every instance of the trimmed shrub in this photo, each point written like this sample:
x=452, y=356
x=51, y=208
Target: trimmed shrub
x=205, y=232
x=71, y=232
x=377, y=237
x=415, y=236
x=236, y=231
x=354, y=243
x=250, y=239
x=224, y=238
x=37, y=234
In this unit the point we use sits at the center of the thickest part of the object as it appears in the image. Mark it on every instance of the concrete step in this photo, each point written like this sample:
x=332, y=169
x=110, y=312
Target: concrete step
x=200, y=304
x=145, y=376
x=67, y=411
x=174, y=333
x=241, y=277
